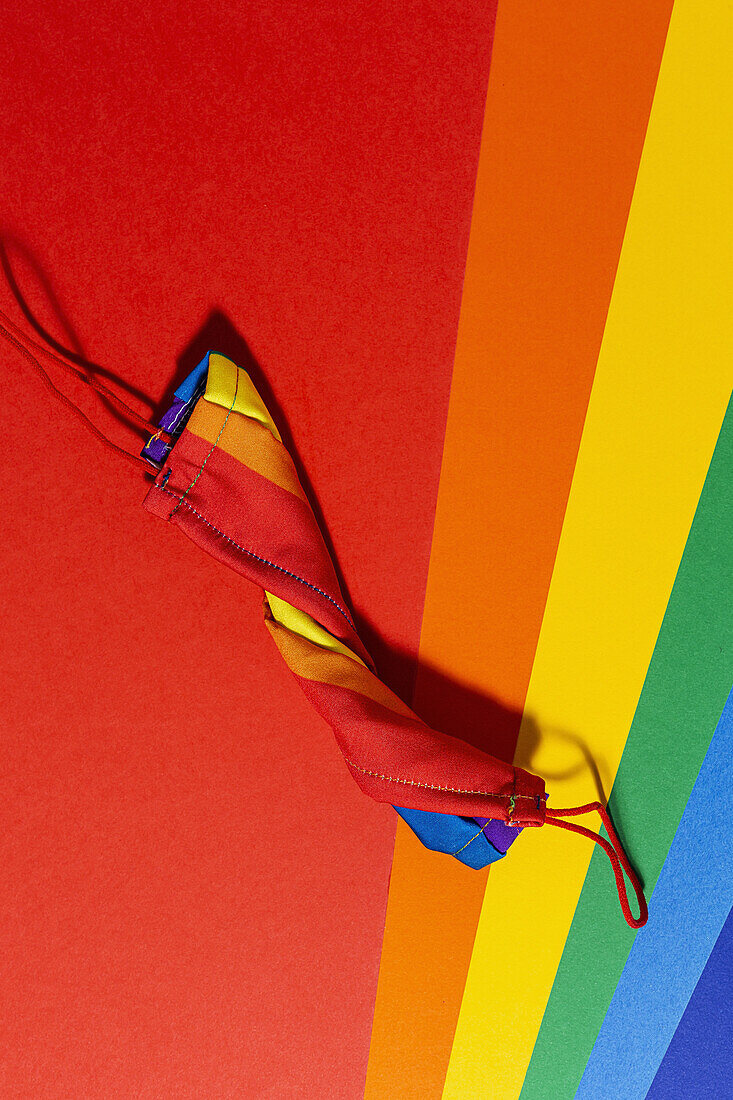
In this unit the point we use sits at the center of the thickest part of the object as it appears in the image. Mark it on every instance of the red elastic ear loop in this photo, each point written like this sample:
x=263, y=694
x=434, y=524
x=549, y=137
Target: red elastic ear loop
x=19, y=340
x=614, y=851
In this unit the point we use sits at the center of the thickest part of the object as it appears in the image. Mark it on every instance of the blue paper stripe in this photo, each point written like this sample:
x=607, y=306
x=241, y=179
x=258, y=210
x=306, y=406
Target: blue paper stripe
x=686, y=913
x=699, y=1061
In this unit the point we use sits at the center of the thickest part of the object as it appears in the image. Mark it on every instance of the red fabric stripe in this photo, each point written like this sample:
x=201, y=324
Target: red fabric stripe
x=255, y=527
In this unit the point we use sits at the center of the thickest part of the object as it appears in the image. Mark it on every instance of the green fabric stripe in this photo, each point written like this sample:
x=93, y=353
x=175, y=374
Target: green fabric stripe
x=684, y=693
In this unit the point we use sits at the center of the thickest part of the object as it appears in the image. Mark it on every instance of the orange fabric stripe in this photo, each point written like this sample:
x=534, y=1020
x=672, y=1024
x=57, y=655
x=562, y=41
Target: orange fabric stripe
x=312, y=662
x=248, y=441
x=569, y=96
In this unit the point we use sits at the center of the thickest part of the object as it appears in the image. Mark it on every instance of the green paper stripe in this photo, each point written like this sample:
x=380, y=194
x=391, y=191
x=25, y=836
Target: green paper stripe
x=684, y=693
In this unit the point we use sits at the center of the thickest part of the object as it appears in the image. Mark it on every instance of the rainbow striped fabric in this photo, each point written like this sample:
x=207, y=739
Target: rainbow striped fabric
x=230, y=484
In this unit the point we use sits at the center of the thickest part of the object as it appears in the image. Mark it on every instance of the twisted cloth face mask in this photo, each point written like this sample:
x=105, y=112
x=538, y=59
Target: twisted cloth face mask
x=224, y=477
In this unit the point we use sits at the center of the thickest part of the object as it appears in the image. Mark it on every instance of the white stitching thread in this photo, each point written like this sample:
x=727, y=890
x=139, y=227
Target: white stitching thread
x=187, y=405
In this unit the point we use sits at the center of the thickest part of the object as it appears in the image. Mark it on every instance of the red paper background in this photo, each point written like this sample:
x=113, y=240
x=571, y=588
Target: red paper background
x=177, y=918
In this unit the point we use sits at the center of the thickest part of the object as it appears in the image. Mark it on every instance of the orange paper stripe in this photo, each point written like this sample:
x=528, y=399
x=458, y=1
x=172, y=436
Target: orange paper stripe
x=569, y=97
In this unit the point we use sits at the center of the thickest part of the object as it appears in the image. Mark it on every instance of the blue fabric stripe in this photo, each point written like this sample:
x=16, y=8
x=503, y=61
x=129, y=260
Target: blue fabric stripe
x=458, y=836
x=191, y=383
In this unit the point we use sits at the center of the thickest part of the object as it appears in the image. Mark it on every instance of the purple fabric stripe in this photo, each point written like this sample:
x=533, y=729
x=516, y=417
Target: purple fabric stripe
x=156, y=450
x=171, y=416
x=498, y=833
x=172, y=421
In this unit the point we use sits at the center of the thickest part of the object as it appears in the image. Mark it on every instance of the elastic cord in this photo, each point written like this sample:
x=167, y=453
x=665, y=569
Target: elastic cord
x=20, y=340
x=614, y=851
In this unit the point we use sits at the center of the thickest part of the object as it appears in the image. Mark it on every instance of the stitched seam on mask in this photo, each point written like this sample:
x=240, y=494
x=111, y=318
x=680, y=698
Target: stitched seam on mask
x=213, y=448
x=251, y=554
x=431, y=786
x=281, y=569
x=474, y=837
x=181, y=411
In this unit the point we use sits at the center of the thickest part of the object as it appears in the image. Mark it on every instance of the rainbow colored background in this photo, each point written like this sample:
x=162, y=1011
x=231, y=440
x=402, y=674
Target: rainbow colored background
x=585, y=505
x=562, y=568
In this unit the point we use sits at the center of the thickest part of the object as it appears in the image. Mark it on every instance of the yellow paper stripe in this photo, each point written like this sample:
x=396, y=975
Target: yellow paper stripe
x=660, y=391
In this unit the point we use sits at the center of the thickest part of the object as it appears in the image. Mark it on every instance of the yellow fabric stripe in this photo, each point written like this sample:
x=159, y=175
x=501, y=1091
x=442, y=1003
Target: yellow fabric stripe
x=658, y=401
x=224, y=380
x=249, y=441
x=300, y=622
x=230, y=387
